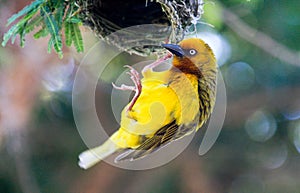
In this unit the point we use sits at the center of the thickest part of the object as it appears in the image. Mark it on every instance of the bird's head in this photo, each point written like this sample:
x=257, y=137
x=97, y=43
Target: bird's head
x=192, y=56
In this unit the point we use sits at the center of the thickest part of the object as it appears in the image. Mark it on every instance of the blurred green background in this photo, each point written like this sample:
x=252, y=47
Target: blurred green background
x=258, y=150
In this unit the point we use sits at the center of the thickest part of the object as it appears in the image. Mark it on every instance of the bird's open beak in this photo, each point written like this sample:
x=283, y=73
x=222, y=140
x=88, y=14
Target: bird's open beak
x=174, y=49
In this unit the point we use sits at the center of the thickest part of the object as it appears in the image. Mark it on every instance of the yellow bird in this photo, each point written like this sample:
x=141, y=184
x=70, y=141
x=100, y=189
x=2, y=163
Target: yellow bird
x=167, y=105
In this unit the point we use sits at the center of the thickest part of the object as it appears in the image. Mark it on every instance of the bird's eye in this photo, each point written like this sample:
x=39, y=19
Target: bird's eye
x=192, y=52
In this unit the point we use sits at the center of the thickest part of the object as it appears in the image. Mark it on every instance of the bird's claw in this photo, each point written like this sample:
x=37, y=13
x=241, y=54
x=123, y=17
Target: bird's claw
x=135, y=77
x=123, y=87
x=137, y=88
x=156, y=63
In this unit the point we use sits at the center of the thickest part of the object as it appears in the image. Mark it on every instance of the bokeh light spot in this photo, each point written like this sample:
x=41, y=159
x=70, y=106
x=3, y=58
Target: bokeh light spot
x=292, y=114
x=296, y=136
x=260, y=126
x=274, y=155
x=240, y=76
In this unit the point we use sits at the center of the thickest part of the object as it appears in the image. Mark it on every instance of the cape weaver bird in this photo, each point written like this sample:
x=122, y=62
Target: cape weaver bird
x=166, y=106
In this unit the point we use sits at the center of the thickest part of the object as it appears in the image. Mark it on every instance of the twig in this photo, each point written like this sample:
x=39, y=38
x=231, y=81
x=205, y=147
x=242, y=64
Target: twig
x=260, y=39
x=280, y=99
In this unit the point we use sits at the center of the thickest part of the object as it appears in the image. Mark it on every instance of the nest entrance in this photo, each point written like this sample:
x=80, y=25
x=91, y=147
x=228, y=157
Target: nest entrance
x=105, y=17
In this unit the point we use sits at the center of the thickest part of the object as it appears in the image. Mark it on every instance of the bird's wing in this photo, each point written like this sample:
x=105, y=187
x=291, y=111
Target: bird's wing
x=162, y=137
x=159, y=139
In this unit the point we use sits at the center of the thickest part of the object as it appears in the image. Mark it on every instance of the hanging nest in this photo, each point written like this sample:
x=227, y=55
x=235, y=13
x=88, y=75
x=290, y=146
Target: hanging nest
x=171, y=19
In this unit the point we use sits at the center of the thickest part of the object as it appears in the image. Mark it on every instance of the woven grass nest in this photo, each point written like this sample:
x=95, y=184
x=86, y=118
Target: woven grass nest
x=171, y=19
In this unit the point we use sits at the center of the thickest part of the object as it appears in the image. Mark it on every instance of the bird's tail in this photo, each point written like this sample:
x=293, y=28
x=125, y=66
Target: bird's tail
x=90, y=157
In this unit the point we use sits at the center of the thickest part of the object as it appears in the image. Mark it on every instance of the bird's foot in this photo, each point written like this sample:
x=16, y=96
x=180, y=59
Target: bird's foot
x=156, y=63
x=123, y=87
x=137, y=88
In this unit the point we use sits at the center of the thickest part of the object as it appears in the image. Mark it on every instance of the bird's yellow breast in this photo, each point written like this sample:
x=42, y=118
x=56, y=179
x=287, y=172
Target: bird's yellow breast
x=154, y=108
x=162, y=102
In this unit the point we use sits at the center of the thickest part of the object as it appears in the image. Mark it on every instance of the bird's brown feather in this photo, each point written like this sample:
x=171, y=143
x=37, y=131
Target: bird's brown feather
x=162, y=137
